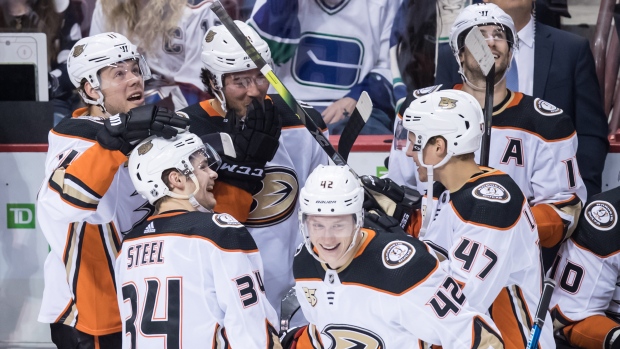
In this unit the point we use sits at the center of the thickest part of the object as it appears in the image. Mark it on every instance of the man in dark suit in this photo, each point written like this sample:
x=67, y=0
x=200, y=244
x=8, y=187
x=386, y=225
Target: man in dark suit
x=563, y=74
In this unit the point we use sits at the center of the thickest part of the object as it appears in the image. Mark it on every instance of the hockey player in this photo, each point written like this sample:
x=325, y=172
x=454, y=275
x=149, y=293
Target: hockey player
x=531, y=140
x=481, y=224
x=375, y=289
x=275, y=153
x=86, y=201
x=168, y=33
x=586, y=301
x=189, y=277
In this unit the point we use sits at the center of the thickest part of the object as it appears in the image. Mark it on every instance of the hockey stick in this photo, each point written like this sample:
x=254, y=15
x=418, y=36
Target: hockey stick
x=477, y=46
x=541, y=312
x=354, y=126
x=286, y=95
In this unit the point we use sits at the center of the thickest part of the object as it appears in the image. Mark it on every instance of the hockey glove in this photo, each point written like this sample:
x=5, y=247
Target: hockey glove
x=289, y=339
x=396, y=201
x=257, y=137
x=124, y=131
x=612, y=339
x=246, y=175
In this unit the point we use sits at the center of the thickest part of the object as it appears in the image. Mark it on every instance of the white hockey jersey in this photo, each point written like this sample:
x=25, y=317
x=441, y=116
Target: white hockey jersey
x=85, y=204
x=533, y=142
x=325, y=49
x=487, y=236
x=175, y=63
x=392, y=294
x=193, y=280
x=272, y=220
x=586, y=301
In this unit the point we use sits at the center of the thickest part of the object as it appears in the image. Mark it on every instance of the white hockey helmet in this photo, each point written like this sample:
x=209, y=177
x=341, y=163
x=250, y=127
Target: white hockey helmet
x=481, y=14
x=331, y=191
x=455, y=115
x=155, y=154
x=222, y=54
x=89, y=55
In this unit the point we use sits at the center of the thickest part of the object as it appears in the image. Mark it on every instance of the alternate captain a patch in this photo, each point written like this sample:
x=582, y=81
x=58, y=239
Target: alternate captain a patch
x=601, y=215
x=225, y=220
x=491, y=191
x=397, y=253
x=546, y=108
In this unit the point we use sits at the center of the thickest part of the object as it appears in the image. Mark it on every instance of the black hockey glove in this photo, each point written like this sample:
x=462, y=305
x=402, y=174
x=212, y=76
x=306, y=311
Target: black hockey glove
x=256, y=138
x=124, y=131
x=612, y=339
x=396, y=201
x=247, y=175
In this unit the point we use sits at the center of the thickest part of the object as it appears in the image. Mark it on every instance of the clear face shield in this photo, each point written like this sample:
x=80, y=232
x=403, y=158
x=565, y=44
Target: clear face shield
x=123, y=73
x=205, y=157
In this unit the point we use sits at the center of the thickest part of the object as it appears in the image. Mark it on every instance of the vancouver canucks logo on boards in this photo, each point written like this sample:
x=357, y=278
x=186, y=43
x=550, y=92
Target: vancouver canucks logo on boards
x=491, y=191
x=397, y=253
x=601, y=215
x=425, y=90
x=226, y=220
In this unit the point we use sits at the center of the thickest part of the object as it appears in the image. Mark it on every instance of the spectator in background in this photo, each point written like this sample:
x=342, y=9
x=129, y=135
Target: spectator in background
x=558, y=67
x=60, y=21
x=327, y=52
x=168, y=33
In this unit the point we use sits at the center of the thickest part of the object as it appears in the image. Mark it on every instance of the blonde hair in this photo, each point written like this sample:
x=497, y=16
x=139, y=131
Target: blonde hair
x=143, y=21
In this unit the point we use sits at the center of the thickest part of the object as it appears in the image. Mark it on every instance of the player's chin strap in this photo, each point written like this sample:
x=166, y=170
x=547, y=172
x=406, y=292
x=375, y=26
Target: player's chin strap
x=98, y=102
x=191, y=197
x=428, y=212
x=221, y=99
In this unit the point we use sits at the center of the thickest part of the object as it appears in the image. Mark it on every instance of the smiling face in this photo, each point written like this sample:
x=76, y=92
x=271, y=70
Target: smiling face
x=242, y=87
x=206, y=179
x=497, y=41
x=331, y=236
x=122, y=86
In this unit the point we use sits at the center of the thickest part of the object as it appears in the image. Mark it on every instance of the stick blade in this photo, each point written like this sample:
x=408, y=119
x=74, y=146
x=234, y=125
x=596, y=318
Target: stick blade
x=364, y=105
x=477, y=45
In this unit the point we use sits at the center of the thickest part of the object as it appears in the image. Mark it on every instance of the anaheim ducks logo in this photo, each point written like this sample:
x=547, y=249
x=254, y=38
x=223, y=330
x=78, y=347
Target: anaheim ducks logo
x=447, y=103
x=210, y=35
x=310, y=295
x=601, y=215
x=491, y=191
x=144, y=148
x=77, y=50
x=349, y=336
x=546, y=108
x=225, y=220
x=276, y=201
x=397, y=253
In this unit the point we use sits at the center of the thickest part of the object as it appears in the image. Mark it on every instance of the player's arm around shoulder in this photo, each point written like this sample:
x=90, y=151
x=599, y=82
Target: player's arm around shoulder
x=237, y=270
x=434, y=308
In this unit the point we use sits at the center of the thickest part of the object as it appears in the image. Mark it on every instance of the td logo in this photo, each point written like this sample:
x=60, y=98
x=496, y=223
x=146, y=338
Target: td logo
x=20, y=216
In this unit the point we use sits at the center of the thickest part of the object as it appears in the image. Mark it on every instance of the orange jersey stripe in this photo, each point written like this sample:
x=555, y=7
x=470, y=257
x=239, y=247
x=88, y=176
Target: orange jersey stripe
x=589, y=333
x=509, y=326
x=96, y=168
x=232, y=200
x=550, y=225
x=95, y=293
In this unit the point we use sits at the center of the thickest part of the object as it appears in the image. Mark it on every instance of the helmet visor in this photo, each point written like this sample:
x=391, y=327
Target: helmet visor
x=124, y=72
x=205, y=157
